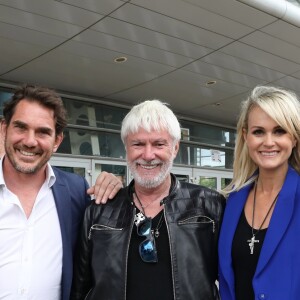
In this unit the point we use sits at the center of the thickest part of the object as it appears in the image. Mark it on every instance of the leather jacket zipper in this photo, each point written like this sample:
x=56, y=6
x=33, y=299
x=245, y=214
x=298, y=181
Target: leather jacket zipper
x=100, y=228
x=126, y=264
x=205, y=220
x=173, y=279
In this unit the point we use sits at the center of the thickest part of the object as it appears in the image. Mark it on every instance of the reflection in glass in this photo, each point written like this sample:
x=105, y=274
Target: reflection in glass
x=210, y=182
x=117, y=170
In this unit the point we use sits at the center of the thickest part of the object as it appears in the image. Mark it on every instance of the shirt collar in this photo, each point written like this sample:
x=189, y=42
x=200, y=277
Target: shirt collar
x=50, y=176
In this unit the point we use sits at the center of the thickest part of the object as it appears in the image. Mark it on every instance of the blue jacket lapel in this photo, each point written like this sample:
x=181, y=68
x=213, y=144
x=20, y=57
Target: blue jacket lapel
x=280, y=219
x=63, y=205
x=234, y=208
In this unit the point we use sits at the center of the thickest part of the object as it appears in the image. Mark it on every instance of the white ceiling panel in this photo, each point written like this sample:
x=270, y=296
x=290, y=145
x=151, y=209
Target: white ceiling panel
x=104, y=7
x=216, y=73
x=126, y=47
x=36, y=22
x=85, y=65
x=233, y=10
x=16, y=53
x=290, y=83
x=28, y=36
x=225, y=113
x=55, y=10
x=261, y=57
x=164, y=24
x=297, y=75
x=194, y=14
x=183, y=89
x=273, y=45
x=150, y=37
x=173, y=47
x=242, y=66
x=284, y=31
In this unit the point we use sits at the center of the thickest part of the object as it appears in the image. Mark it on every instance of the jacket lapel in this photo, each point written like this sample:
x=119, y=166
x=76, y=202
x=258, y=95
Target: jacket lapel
x=280, y=219
x=234, y=208
x=63, y=206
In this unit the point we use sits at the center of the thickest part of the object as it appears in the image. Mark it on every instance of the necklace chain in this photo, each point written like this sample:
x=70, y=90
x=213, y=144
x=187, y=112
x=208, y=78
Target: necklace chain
x=252, y=241
x=155, y=231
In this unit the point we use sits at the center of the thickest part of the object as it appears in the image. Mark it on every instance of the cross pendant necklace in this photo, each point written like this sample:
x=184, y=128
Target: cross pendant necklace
x=251, y=243
x=253, y=240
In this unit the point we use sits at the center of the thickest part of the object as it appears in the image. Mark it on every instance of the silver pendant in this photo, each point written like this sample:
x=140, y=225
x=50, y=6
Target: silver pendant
x=251, y=243
x=138, y=218
x=156, y=233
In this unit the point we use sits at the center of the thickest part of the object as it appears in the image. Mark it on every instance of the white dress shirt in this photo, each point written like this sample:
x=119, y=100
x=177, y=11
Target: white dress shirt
x=30, y=249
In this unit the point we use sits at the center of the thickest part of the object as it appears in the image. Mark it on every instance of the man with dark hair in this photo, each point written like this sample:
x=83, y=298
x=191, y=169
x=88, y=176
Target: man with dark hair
x=41, y=207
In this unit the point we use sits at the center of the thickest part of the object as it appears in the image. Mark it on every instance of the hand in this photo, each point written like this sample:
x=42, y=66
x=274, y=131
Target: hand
x=106, y=187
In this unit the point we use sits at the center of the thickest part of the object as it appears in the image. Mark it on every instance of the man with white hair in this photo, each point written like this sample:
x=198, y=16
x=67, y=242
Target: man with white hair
x=157, y=239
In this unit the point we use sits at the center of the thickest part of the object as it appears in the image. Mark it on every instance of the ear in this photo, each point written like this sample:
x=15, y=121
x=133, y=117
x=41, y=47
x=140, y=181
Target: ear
x=58, y=139
x=3, y=128
x=176, y=148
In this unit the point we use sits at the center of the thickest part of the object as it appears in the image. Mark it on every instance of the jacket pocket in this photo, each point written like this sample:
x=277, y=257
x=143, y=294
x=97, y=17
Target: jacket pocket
x=100, y=227
x=198, y=220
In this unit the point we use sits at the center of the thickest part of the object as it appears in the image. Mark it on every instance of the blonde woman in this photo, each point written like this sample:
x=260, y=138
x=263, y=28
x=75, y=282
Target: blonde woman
x=259, y=245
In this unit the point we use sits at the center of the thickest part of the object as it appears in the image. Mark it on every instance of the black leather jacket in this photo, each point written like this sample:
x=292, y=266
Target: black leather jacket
x=193, y=216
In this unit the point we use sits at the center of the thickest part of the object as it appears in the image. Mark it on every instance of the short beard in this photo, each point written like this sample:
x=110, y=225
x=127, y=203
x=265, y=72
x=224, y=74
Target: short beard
x=154, y=182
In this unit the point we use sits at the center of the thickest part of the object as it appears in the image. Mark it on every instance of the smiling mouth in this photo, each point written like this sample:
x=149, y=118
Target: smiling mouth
x=273, y=153
x=148, y=167
x=29, y=154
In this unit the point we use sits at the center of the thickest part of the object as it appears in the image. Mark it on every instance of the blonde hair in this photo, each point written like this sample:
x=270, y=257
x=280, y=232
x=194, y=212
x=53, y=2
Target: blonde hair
x=284, y=108
x=151, y=115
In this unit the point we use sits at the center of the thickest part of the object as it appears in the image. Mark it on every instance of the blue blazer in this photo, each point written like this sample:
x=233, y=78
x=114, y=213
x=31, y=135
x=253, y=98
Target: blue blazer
x=277, y=275
x=71, y=199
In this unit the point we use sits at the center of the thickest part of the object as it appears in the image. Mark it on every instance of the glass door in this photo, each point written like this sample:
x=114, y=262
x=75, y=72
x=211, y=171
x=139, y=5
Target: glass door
x=78, y=166
x=183, y=174
x=119, y=169
x=214, y=179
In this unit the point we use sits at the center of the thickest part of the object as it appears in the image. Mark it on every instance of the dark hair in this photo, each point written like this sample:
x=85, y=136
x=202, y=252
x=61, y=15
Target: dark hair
x=42, y=95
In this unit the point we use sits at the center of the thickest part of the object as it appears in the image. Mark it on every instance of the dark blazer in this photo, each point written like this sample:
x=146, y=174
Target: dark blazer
x=277, y=273
x=71, y=199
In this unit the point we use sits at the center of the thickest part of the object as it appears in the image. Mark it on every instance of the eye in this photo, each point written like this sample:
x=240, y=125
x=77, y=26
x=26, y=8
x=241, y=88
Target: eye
x=159, y=144
x=44, y=132
x=279, y=131
x=258, y=132
x=137, y=144
x=19, y=126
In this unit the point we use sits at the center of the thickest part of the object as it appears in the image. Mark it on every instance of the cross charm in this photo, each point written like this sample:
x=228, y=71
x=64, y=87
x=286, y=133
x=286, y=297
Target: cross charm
x=138, y=218
x=251, y=243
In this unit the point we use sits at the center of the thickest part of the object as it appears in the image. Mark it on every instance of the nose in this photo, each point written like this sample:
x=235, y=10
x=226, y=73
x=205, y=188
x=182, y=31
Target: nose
x=269, y=140
x=30, y=139
x=149, y=153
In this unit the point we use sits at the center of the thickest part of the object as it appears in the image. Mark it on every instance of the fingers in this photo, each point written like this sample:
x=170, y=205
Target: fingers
x=106, y=187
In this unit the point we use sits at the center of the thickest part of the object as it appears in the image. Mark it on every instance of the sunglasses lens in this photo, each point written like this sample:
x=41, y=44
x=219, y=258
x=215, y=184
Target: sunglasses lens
x=144, y=228
x=148, y=251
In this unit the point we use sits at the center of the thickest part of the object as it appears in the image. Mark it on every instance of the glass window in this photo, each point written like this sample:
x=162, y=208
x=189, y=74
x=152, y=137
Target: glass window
x=85, y=142
x=208, y=134
x=210, y=182
x=95, y=115
x=4, y=97
x=190, y=154
x=117, y=170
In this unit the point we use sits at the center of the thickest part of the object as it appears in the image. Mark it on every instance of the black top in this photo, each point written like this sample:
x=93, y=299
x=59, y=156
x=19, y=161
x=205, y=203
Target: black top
x=244, y=263
x=148, y=281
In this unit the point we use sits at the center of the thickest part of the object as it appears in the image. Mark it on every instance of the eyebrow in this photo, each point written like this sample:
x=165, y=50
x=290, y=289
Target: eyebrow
x=39, y=129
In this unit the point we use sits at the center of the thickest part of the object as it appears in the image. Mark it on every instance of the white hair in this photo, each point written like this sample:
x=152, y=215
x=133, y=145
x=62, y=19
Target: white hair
x=151, y=115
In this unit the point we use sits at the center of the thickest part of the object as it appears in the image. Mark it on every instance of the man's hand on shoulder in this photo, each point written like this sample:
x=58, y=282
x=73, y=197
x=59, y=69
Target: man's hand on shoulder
x=106, y=187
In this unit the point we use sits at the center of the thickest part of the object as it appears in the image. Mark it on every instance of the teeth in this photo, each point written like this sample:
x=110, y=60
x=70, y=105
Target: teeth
x=27, y=153
x=269, y=153
x=148, y=167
